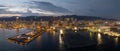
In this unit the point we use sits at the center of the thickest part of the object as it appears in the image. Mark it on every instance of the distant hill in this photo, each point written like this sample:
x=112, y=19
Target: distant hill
x=53, y=17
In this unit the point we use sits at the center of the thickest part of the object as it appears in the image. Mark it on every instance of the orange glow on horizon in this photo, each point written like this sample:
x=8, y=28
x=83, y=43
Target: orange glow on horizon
x=9, y=15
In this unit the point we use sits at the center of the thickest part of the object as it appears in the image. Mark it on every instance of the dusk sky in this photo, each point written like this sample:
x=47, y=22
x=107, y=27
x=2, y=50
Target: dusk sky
x=102, y=8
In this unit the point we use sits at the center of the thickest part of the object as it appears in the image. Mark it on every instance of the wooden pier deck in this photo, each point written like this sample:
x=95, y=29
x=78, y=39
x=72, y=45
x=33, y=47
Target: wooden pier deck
x=24, y=39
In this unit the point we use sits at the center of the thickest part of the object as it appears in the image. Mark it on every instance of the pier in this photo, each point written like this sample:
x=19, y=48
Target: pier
x=24, y=39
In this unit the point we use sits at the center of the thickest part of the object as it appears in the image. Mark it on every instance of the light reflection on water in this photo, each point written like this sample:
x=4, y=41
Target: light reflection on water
x=54, y=33
x=91, y=35
x=99, y=39
x=116, y=41
x=104, y=42
x=61, y=43
x=38, y=39
x=60, y=40
x=17, y=31
x=8, y=33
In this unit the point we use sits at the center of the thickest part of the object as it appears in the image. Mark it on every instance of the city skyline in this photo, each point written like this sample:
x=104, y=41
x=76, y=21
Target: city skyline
x=59, y=25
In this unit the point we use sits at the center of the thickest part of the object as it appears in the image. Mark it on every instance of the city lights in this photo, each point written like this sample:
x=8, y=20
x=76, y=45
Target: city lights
x=61, y=31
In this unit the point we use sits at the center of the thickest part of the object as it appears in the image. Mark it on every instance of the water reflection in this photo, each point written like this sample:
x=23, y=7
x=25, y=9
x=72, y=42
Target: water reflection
x=75, y=31
x=91, y=35
x=61, y=41
x=54, y=33
x=17, y=31
x=38, y=39
x=116, y=41
x=61, y=31
x=60, y=38
x=4, y=33
x=99, y=39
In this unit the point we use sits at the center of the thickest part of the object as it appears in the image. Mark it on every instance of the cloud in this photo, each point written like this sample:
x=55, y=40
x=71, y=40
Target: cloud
x=103, y=8
x=2, y=6
x=2, y=11
x=44, y=12
x=47, y=6
x=14, y=10
x=37, y=8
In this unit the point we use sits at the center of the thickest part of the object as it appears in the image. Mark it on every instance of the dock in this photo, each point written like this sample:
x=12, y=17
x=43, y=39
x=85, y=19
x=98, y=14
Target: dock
x=24, y=39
